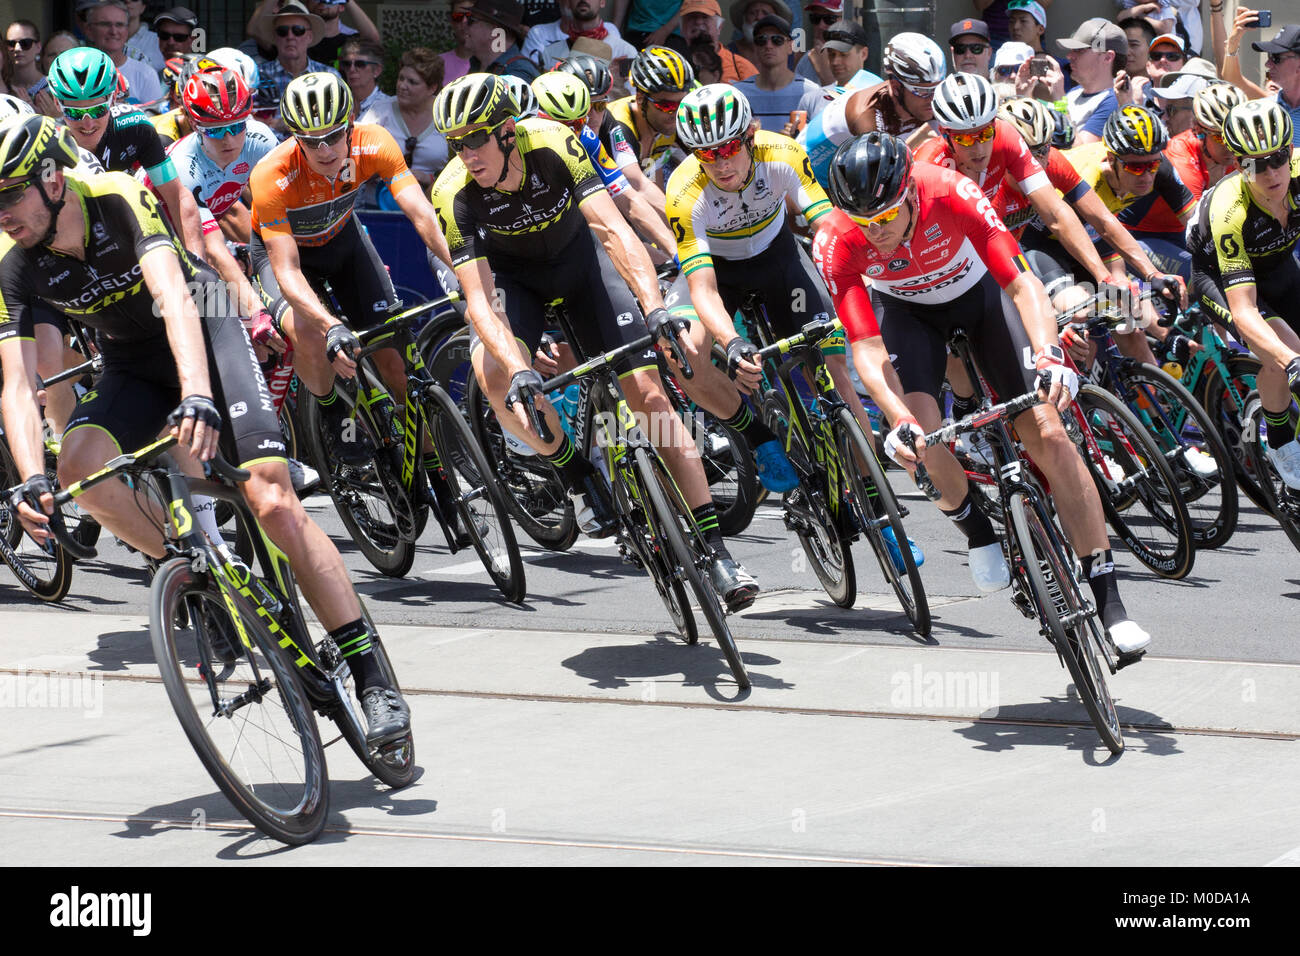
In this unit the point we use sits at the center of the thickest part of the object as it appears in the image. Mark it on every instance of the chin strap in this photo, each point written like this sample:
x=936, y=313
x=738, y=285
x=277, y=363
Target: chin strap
x=506, y=141
x=55, y=208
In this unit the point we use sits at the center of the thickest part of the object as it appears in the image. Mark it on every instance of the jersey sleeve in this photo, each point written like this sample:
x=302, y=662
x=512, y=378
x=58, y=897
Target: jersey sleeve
x=270, y=206
x=801, y=186
x=382, y=157
x=978, y=220
x=451, y=206
x=151, y=151
x=142, y=216
x=836, y=260
x=687, y=216
x=1066, y=179
x=15, y=293
x=1170, y=187
x=610, y=174
x=1020, y=163
x=622, y=146
x=564, y=145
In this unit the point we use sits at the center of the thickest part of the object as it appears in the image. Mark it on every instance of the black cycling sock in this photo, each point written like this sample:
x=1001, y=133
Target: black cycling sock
x=749, y=425
x=572, y=466
x=974, y=524
x=353, y=640
x=1099, y=569
x=1280, y=427
x=963, y=406
x=326, y=401
x=706, y=517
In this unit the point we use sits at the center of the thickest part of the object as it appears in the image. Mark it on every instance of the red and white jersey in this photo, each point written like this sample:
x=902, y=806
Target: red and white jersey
x=957, y=240
x=1013, y=206
x=1011, y=159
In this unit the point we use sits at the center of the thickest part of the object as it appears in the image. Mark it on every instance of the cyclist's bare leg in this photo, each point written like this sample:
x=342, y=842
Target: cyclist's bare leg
x=1135, y=345
x=112, y=503
x=52, y=357
x=664, y=427
x=1075, y=495
x=709, y=386
x=1271, y=380
x=495, y=382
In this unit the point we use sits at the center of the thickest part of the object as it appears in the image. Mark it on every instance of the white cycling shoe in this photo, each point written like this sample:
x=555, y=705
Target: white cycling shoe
x=1201, y=464
x=1128, y=638
x=1286, y=460
x=988, y=567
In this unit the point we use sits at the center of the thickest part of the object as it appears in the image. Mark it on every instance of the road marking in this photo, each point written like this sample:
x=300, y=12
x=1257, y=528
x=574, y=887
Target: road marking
x=467, y=568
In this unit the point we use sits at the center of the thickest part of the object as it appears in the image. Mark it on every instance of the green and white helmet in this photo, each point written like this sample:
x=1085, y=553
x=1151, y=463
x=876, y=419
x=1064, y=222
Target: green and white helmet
x=712, y=115
x=82, y=73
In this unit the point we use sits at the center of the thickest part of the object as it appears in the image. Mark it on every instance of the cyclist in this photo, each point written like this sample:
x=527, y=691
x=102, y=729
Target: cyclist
x=1198, y=153
x=937, y=257
x=118, y=267
x=565, y=98
x=1243, y=267
x=521, y=208
x=660, y=77
x=913, y=66
x=174, y=124
x=304, y=231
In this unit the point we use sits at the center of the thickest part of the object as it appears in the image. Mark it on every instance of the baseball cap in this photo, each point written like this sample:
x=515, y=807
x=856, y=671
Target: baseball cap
x=1031, y=7
x=1181, y=88
x=844, y=35
x=1012, y=53
x=977, y=27
x=1173, y=38
x=178, y=15
x=777, y=22
x=1286, y=41
x=707, y=7
x=1193, y=67
x=1098, y=35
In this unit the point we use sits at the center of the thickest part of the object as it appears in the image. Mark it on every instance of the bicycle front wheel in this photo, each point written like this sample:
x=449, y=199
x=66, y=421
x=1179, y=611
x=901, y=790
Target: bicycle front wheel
x=877, y=508
x=46, y=573
x=1068, y=620
x=1283, y=503
x=1224, y=400
x=240, y=704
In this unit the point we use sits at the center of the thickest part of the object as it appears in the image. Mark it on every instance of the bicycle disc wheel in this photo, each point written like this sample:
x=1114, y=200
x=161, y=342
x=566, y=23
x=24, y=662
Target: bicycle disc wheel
x=681, y=540
x=45, y=572
x=1067, y=619
x=1137, y=488
x=1225, y=403
x=1179, y=424
x=1283, y=502
x=873, y=499
x=369, y=498
x=247, y=717
x=534, y=492
x=480, y=503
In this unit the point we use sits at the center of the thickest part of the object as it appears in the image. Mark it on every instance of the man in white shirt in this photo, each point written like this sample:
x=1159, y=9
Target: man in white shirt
x=141, y=41
x=106, y=29
x=584, y=20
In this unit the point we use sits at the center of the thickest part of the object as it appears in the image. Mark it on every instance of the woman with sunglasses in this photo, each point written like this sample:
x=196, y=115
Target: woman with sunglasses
x=1243, y=266
x=937, y=256
x=23, y=76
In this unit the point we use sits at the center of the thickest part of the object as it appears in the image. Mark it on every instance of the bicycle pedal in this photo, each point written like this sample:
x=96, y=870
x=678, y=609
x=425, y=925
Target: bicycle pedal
x=1124, y=660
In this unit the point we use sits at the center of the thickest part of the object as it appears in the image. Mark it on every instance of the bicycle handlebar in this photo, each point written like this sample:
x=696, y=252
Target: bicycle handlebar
x=1108, y=312
x=815, y=330
x=93, y=364
x=370, y=339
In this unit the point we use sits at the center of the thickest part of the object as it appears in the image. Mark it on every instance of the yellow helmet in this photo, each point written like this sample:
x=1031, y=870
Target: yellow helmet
x=27, y=142
x=471, y=100
x=1134, y=131
x=314, y=103
x=1257, y=128
x=658, y=69
x=562, y=96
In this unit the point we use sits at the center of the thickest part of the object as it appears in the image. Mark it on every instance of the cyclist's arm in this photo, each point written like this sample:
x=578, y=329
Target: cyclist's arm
x=184, y=212
x=282, y=251
x=1112, y=231
x=22, y=415
x=236, y=223
x=703, y=284
x=1030, y=299
x=1065, y=225
x=644, y=217
x=478, y=289
x=629, y=256
x=1263, y=341
x=871, y=359
x=419, y=210
x=161, y=270
x=647, y=190
x=217, y=255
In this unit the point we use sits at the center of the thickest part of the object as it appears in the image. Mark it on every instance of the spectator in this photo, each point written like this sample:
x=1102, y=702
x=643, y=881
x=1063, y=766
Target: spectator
x=326, y=49
x=846, y=49
x=409, y=116
x=814, y=65
x=1163, y=15
x=294, y=30
x=1006, y=66
x=583, y=19
x=23, y=59
x=969, y=47
x=1173, y=101
x=702, y=30
x=1097, y=51
x=774, y=92
x=59, y=42
x=1166, y=54
x=455, y=62
x=106, y=29
x=707, y=64
x=361, y=62
x=1141, y=34
x=535, y=12
x=141, y=40
x=744, y=14
x=1283, y=68
x=994, y=13
x=493, y=25
x=645, y=23
x=1027, y=22
x=175, y=31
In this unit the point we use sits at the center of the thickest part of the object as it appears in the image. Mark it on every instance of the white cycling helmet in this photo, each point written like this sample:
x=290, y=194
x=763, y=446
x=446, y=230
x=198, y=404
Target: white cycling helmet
x=914, y=60
x=239, y=61
x=1035, y=119
x=965, y=101
x=522, y=94
x=713, y=115
x=11, y=106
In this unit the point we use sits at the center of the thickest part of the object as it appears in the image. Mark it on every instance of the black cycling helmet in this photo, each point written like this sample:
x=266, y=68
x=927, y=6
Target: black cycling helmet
x=657, y=69
x=1134, y=131
x=591, y=71
x=870, y=173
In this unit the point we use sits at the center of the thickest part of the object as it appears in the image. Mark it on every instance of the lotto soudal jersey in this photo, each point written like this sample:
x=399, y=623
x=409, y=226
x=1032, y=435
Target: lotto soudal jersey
x=1009, y=159
x=130, y=143
x=711, y=222
x=957, y=239
x=535, y=221
x=215, y=187
x=105, y=289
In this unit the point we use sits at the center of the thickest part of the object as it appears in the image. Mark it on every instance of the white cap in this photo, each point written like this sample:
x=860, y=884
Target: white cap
x=1012, y=53
x=1182, y=88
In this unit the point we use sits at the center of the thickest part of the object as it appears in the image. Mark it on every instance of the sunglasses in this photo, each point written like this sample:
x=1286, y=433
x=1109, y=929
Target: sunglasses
x=1254, y=165
x=972, y=137
x=85, y=112
x=884, y=217
x=1168, y=56
x=722, y=151
x=297, y=30
x=1275, y=58
x=976, y=48
x=474, y=140
x=465, y=17
x=921, y=92
x=25, y=42
x=174, y=37
x=1209, y=135
x=408, y=148
x=822, y=19
x=771, y=39
x=221, y=132
x=329, y=139
x=356, y=64
x=1007, y=71
x=11, y=196
x=664, y=106
x=577, y=125
x=1140, y=169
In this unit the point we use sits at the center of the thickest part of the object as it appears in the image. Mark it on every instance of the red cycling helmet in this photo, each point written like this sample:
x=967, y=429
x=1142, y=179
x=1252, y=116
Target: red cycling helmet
x=123, y=88
x=216, y=97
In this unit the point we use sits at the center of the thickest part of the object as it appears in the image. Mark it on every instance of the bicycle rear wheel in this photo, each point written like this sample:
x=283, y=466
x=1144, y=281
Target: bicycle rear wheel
x=1282, y=502
x=680, y=539
x=872, y=497
x=1225, y=404
x=246, y=717
x=1068, y=620
x=1137, y=488
x=46, y=573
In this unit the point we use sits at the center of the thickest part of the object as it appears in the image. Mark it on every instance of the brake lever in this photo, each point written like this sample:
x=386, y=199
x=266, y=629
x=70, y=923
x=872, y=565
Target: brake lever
x=922, y=474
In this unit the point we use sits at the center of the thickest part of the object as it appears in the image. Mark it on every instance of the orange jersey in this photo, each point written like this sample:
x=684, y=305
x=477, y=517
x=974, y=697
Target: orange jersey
x=289, y=199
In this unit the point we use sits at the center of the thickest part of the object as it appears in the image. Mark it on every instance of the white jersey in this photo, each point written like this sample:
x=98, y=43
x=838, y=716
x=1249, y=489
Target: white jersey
x=217, y=189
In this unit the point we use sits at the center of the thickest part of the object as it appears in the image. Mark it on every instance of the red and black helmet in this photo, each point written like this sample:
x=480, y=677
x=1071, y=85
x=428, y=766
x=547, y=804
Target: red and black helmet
x=216, y=97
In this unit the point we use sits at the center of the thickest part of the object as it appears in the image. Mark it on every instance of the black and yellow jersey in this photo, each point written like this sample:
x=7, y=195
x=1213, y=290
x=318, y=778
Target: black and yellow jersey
x=1159, y=211
x=172, y=126
x=1233, y=237
x=106, y=289
x=532, y=223
x=708, y=221
x=663, y=148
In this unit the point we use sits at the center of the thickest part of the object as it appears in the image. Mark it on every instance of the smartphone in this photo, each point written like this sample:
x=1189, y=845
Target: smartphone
x=1038, y=66
x=799, y=119
x=1265, y=19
